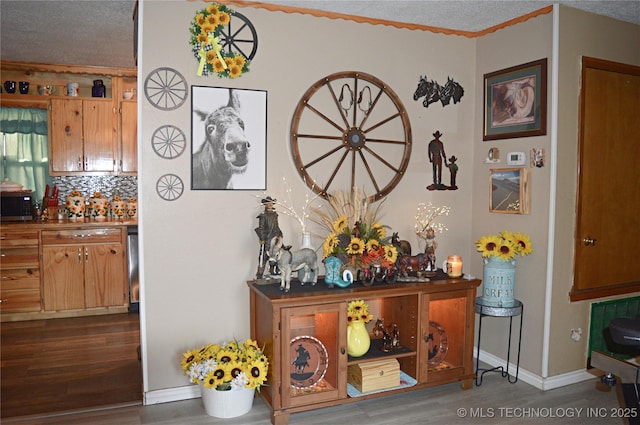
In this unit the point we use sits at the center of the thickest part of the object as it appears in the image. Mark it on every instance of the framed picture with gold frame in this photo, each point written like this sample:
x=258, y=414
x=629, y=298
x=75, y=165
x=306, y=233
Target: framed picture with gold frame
x=509, y=191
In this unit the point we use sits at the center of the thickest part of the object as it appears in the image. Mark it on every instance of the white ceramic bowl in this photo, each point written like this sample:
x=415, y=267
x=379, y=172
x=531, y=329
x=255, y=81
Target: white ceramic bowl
x=127, y=95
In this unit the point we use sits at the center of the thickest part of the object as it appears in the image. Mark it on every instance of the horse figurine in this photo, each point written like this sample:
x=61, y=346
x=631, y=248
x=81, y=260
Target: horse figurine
x=390, y=340
x=403, y=247
x=289, y=262
x=415, y=263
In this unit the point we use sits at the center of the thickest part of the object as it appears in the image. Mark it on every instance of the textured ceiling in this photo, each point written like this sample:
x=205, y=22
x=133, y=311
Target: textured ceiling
x=100, y=33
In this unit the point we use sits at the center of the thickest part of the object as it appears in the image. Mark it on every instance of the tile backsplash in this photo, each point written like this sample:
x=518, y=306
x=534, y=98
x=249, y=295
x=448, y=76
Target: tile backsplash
x=109, y=186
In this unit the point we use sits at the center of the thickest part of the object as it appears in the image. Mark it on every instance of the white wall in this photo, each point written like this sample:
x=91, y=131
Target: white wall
x=201, y=249
x=509, y=47
x=581, y=34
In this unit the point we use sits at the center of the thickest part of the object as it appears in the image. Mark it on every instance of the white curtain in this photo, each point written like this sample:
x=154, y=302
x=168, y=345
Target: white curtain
x=25, y=148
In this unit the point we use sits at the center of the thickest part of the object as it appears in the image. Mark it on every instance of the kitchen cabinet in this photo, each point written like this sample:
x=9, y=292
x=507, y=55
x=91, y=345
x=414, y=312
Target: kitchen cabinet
x=84, y=268
x=128, y=137
x=435, y=321
x=20, y=271
x=82, y=136
x=88, y=135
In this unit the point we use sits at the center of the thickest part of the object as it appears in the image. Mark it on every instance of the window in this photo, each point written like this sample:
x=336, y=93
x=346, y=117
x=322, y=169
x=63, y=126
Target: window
x=25, y=148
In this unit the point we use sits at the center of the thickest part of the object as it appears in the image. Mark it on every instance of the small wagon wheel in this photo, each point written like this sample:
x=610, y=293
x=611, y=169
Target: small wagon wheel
x=166, y=89
x=351, y=126
x=240, y=37
x=168, y=141
x=169, y=187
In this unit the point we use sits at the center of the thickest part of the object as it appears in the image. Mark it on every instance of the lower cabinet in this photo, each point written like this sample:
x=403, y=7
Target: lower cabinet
x=84, y=268
x=306, y=340
x=20, y=272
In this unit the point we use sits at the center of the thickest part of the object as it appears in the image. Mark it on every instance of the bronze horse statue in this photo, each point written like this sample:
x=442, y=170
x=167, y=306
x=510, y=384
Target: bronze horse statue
x=415, y=263
x=403, y=247
x=225, y=150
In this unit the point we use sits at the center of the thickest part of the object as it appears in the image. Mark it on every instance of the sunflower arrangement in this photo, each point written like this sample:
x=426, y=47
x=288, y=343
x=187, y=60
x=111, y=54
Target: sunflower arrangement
x=206, y=29
x=227, y=366
x=505, y=245
x=358, y=311
x=355, y=235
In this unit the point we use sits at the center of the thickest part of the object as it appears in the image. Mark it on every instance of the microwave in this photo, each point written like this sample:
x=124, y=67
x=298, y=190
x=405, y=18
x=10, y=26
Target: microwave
x=16, y=206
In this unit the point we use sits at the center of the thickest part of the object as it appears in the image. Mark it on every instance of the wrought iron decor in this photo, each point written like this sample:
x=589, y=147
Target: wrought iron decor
x=168, y=141
x=169, y=187
x=434, y=92
x=166, y=89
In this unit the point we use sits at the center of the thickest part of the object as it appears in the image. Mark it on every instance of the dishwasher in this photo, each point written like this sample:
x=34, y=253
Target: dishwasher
x=134, y=281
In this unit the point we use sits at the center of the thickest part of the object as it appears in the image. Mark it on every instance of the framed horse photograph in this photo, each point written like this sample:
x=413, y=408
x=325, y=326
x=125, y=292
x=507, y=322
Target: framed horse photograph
x=228, y=138
x=515, y=101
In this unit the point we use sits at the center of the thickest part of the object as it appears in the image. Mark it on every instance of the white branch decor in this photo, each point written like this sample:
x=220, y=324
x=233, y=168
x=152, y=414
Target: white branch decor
x=426, y=217
x=287, y=208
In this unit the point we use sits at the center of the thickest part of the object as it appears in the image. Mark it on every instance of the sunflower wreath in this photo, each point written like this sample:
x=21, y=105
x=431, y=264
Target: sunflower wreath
x=206, y=28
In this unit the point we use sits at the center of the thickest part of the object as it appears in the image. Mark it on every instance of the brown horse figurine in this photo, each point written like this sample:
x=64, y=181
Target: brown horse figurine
x=414, y=263
x=403, y=247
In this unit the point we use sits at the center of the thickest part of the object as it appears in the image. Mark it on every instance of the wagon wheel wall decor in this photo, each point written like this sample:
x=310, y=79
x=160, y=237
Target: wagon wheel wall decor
x=168, y=141
x=169, y=187
x=165, y=88
x=240, y=36
x=351, y=126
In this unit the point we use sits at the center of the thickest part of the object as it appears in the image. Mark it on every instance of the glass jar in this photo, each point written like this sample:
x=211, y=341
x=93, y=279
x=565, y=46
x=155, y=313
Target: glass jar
x=98, y=89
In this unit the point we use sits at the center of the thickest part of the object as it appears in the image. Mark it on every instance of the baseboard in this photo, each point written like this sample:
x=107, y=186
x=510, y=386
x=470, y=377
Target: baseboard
x=193, y=391
x=537, y=380
x=171, y=394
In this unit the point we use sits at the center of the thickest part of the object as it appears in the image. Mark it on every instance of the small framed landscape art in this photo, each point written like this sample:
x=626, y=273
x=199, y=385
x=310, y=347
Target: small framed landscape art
x=509, y=191
x=228, y=138
x=515, y=101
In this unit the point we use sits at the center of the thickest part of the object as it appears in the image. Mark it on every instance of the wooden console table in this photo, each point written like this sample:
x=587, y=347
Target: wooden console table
x=435, y=320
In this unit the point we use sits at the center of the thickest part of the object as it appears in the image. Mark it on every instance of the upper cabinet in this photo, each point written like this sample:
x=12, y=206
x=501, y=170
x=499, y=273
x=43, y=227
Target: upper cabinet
x=93, y=131
x=82, y=135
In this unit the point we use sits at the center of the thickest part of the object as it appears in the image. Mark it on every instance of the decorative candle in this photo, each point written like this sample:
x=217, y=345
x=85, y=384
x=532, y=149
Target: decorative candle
x=454, y=266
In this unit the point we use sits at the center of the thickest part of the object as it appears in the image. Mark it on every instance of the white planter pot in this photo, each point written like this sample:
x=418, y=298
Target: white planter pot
x=227, y=404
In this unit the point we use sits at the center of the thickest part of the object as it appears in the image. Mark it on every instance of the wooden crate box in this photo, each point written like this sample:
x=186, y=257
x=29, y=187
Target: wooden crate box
x=374, y=376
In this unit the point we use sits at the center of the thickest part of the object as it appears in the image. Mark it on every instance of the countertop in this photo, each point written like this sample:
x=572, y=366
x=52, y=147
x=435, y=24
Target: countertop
x=65, y=224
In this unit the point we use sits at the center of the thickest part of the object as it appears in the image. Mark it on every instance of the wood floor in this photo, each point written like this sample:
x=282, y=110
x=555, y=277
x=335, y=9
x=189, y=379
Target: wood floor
x=494, y=402
x=74, y=371
x=72, y=364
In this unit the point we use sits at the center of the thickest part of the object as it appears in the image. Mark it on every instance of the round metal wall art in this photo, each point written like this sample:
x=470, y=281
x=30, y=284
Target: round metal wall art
x=169, y=187
x=166, y=89
x=168, y=142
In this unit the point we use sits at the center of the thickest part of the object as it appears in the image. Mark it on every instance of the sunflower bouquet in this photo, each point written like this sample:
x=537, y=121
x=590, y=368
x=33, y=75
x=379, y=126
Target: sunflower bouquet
x=355, y=236
x=227, y=366
x=206, y=30
x=505, y=245
x=358, y=311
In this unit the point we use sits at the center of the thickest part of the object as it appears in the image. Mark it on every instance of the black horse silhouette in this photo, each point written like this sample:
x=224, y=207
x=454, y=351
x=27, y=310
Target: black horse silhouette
x=434, y=92
x=451, y=90
x=301, y=361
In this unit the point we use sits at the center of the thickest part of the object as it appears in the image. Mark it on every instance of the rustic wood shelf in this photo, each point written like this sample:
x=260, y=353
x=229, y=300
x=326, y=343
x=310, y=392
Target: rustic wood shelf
x=320, y=313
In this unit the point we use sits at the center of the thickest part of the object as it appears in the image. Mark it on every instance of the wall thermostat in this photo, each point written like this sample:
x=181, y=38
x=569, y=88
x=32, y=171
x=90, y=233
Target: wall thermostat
x=516, y=158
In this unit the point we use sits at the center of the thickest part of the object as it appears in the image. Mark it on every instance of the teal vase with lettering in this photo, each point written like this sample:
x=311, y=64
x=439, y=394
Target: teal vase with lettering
x=499, y=281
